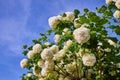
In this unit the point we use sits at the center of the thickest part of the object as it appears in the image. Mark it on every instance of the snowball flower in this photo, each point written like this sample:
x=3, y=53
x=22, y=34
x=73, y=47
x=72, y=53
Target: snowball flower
x=29, y=74
x=59, y=55
x=66, y=31
x=54, y=21
x=112, y=43
x=30, y=54
x=46, y=54
x=70, y=67
x=44, y=72
x=37, y=48
x=118, y=65
x=85, y=25
x=107, y=50
x=47, y=43
x=116, y=14
x=81, y=35
x=108, y=1
x=54, y=49
x=117, y=4
x=24, y=63
x=49, y=64
x=57, y=38
x=40, y=63
x=80, y=53
x=69, y=16
x=68, y=43
x=88, y=59
x=76, y=23
x=114, y=0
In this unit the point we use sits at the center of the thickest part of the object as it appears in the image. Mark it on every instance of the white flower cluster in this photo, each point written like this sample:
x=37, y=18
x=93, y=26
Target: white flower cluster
x=108, y=1
x=24, y=63
x=117, y=4
x=81, y=35
x=35, y=49
x=76, y=23
x=89, y=59
x=112, y=43
x=55, y=20
x=57, y=38
x=66, y=31
x=116, y=14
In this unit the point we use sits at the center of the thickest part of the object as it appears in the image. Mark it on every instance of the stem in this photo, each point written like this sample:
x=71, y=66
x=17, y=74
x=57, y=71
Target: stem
x=87, y=73
x=76, y=67
x=61, y=70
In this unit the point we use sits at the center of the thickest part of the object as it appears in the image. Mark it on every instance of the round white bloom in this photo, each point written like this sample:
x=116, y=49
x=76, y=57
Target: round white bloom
x=100, y=44
x=112, y=73
x=66, y=31
x=68, y=43
x=29, y=74
x=107, y=50
x=112, y=43
x=117, y=4
x=54, y=49
x=46, y=54
x=89, y=59
x=114, y=0
x=41, y=78
x=57, y=38
x=59, y=17
x=108, y=1
x=66, y=78
x=49, y=64
x=70, y=68
x=58, y=56
x=53, y=21
x=69, y=16
x=30, y=54
x=44, y=72
x=24, y=63
x=40, y=63
x=76, y=23
x=118, y=65
x=116, y=14
x=47, y=43
x=80, y=53
x=61, y=77
x=81, y=35
x=37, y=48
x=85, y=25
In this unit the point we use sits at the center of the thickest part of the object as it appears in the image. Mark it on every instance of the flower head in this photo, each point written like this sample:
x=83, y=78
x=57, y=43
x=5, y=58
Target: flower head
x=116, y=14
x=81, y=35
x=24, y=63
x=88, y=59
x=37, y=48
x=46, y=54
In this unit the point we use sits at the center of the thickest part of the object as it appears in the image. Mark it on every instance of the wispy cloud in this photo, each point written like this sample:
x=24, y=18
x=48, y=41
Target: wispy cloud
x=13, y=29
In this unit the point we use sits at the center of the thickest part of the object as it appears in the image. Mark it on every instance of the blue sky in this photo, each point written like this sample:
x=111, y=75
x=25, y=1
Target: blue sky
x=21, y=21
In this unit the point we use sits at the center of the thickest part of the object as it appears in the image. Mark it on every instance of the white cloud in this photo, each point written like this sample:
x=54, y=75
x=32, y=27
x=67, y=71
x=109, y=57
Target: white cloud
x=13, y=30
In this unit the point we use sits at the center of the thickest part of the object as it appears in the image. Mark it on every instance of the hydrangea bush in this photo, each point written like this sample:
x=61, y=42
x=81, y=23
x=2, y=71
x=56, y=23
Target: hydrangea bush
x=82, y=49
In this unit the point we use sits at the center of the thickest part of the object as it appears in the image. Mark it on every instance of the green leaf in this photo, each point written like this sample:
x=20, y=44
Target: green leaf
x=25, y=52
x=117, y=30
x=64, y=15
x=86, y=10
x=102, y=9
x=24, y=46
x=76, y=12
